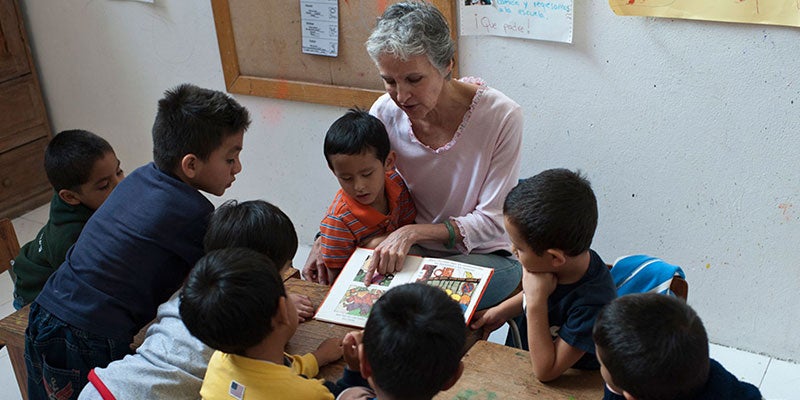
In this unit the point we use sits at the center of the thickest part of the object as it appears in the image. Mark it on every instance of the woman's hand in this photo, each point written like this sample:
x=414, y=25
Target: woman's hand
x=305, y=309
x=315, y=270
x=388, y=257
x=373, y=241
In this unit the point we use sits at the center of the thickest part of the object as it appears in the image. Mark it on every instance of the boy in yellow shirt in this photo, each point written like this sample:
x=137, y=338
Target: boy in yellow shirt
x=234, y=301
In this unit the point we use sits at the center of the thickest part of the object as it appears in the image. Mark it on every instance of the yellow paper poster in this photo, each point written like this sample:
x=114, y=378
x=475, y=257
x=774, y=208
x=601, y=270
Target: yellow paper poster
x=771, y=12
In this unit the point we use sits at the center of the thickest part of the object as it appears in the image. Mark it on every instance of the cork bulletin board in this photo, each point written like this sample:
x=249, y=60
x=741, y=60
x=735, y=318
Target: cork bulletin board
x=260, y=46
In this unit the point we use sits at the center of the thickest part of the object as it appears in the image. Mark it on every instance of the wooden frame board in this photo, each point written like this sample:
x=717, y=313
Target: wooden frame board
x=260, y=47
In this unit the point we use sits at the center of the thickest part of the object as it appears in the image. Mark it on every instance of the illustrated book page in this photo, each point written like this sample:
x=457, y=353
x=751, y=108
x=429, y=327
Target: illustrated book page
x=350, y=301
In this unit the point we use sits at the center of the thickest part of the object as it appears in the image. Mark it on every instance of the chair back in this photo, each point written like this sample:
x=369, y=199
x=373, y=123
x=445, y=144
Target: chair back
x=9, y=245
x=640, y=273
x=9, y=248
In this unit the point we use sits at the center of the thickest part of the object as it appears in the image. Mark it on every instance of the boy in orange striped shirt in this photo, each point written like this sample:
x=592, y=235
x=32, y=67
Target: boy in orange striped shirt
x=373, y=200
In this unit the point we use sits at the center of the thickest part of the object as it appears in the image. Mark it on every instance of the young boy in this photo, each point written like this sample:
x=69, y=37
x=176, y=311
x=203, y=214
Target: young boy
x=137, y=249
x=550, y=219
x=234, y=301
x=419, y=322
x=653, y=346
x=171, y=363
x=373, y=200
x=83, y=170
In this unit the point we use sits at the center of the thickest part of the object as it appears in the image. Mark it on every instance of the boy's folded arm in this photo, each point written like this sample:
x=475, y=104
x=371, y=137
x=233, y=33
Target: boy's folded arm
x=550, y=358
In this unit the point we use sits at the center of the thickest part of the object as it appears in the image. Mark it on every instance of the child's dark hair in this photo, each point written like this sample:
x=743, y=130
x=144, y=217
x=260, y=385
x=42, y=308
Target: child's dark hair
x=193, y=120
x=254, y=224
x=230, y=297
x=555, y=209
x=355, y=133
x=414, y=339
x=70, y=157
x=654, y=346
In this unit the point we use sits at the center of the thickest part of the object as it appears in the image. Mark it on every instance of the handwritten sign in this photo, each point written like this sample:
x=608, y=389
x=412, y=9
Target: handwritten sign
x=527, y=19
x=770, y=12
x=320, y=20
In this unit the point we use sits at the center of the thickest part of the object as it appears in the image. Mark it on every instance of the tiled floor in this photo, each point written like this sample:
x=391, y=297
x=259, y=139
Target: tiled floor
x=777, y=379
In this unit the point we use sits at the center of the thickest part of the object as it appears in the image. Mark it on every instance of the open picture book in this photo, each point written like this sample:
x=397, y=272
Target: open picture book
x=349, y=301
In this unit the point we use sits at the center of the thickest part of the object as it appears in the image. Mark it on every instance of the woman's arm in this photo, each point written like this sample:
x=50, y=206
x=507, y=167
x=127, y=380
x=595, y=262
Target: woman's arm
x=485, y=222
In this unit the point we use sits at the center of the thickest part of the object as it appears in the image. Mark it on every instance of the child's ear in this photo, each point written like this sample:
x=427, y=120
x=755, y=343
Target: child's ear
x=281, y=316
x=189, y=165
x=557, y=257
x=453, y=379
x=285, y=267
x=69, y=197
x=388, y=165
x=628, y=396
x=363, y=364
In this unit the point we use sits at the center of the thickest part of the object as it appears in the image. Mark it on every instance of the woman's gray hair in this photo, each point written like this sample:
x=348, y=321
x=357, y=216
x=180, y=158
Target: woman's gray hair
x=410, y=29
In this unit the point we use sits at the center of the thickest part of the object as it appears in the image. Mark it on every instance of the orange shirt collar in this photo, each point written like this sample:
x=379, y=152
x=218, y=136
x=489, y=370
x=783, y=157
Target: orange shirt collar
x=368, y=215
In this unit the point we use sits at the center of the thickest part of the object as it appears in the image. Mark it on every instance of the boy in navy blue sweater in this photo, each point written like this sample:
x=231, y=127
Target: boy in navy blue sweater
x=138, y=247
x=653, y=346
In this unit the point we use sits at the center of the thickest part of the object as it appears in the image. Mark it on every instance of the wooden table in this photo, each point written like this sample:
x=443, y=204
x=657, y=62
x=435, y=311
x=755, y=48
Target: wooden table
x=12, y=333
x=309, y=334
x=493, y=371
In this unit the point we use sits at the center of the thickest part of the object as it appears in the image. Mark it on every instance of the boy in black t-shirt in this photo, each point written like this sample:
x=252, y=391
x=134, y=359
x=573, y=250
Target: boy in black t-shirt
x=551, y=219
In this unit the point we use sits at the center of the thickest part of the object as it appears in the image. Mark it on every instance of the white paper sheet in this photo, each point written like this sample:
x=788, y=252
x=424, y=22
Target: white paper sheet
x=527, y=19
x=320, y=19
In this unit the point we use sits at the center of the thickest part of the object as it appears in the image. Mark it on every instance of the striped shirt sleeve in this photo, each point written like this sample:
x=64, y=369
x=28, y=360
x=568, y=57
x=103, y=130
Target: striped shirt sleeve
x=337, y=241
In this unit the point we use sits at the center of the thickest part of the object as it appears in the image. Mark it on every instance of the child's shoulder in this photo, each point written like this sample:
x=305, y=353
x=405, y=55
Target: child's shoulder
x=148, y=186
x=65, y=216
x=597, y=272
x=596, y=286
x=722, y=384
x=154, y=204
x=339, y=208
x=395, y=178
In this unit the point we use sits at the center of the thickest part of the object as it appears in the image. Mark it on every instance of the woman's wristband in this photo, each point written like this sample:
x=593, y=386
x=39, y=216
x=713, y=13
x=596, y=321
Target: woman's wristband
x=451, y=234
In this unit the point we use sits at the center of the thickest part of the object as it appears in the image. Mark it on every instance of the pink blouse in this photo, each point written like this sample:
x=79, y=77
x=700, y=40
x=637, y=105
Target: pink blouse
x=469, y=177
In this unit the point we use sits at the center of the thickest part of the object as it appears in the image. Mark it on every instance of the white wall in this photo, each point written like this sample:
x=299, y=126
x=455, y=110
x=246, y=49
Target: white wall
x=688, y=131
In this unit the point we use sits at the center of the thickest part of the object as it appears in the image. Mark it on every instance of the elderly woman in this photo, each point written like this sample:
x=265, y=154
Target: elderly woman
x=457, y=148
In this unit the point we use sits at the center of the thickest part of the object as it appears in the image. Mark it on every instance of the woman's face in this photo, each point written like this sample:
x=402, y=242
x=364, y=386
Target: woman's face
x=414, y=85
